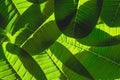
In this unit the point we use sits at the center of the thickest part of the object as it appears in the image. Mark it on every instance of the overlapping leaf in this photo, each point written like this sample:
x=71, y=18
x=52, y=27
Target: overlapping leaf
x=75, y=19
x=100, y=62
x=90, y=52
x=6, y=70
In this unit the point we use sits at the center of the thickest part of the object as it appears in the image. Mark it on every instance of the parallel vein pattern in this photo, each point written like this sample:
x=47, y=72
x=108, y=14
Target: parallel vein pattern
x=59, y=39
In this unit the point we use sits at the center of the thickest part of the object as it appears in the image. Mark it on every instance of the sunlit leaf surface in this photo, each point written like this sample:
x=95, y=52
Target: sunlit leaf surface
x=59, y=39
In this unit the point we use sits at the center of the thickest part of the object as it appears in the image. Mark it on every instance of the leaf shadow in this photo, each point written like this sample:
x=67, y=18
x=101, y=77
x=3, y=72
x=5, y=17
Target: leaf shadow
x=37, y=1
x=109, y=14
x=2, y=21
x=101, y=61
x=69, y=60
x=49, y=8
x=99, y=38
x=43, y=38
x=85, y=21
x=4, y=14
x=1, y=52
x=2, y=58
x=27, y=23
x=29, y=63
x=31, y=18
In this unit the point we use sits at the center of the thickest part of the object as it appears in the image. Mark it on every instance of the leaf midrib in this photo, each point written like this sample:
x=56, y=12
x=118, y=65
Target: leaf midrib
x=95, y=53
x=76, y=15
x=55, y=64
x=36, y=31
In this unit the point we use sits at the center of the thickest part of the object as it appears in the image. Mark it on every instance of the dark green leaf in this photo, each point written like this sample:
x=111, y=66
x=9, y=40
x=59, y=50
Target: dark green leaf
x=77, y=20
x=111, y=12
x=66, y=57
x=28, y=62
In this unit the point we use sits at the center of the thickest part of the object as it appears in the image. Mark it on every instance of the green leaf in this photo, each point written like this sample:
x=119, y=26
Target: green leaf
x=21, y=5
x=22, y=62
x=100, y=62
x=32, y=67
x=95, y=39
x=37, y=1
x=66, y=57
x=77, y=20
x=6, y=70
x=2, y=20
x=9, y=14
x=28, y=19
x=36, y=25
x=50, y=69
x=59, y=40
x=111, y=13
x=42, y=38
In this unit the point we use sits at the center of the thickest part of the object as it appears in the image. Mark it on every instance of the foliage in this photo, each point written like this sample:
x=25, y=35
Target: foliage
x=59, y=39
